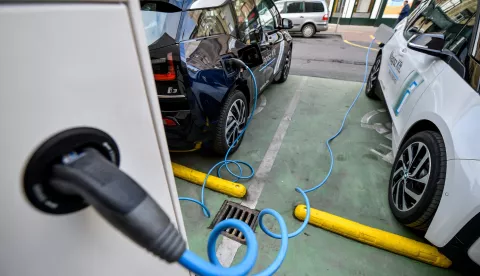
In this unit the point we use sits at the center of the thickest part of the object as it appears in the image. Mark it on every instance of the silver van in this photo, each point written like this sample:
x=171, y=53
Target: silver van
x=308, y=16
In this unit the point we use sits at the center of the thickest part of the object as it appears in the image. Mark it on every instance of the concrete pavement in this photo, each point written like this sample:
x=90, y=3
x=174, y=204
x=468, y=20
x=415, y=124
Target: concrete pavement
x=353, y=33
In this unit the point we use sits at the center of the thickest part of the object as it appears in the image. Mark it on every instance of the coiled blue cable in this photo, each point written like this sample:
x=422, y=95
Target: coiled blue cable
x=197, y=265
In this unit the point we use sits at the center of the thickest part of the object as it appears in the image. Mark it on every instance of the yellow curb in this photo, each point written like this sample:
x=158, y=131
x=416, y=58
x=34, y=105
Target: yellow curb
x=214, y=183
x=374, y=237
x=359, y=46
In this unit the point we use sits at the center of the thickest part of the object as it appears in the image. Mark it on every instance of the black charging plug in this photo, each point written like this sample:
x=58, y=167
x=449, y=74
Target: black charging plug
x=120, y=200
x=235, y=63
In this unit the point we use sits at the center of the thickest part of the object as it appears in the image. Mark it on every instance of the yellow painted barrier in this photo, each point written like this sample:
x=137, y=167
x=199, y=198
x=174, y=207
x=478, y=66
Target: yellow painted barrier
x=214, y=183
x=374, y=237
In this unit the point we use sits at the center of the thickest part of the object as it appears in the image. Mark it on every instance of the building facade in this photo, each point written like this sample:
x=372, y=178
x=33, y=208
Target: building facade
x=367, y=12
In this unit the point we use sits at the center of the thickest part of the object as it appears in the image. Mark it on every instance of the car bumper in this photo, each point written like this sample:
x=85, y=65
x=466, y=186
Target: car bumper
x=321, y=27
x=186, y=135
x=455, y=226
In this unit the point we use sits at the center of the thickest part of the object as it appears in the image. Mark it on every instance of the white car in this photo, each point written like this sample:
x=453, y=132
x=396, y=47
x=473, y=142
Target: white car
x=428, y=76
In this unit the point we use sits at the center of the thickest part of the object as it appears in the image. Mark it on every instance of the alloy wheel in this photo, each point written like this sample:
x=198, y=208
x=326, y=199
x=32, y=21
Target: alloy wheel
x=286, y=67
x=411, y=176
x=236, y=120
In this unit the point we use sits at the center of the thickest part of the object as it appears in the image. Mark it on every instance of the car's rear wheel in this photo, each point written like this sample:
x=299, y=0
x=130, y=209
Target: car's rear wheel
x=308, y=30
x=372, y=80
x=232, y=121
x=286, y=67
x=417, y=179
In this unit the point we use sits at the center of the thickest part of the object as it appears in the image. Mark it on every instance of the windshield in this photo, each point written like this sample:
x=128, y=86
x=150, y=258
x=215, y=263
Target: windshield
x=280, y=6
x=160, y=27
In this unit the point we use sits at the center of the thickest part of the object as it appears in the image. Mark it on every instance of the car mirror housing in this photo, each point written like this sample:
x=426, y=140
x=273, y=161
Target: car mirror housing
x=286, y=24
x=433, y=44
x=430, y=44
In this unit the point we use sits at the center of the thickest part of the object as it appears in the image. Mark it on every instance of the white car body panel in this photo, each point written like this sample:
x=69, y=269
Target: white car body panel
x=445, y=99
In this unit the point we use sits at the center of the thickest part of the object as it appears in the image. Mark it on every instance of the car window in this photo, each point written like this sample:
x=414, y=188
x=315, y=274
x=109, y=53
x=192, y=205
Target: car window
x=453, y=18
x=474, y=65
x=267, y=12
x=248, y=22
x=294, y=7
x=280, y=6
x=314, y=7
x=208, y=22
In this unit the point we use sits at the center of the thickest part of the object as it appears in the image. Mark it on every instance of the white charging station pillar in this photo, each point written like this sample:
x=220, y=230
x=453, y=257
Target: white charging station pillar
x=76, y=64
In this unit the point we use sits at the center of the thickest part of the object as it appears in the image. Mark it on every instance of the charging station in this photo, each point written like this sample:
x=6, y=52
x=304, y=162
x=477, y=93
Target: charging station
x=72, y=74
x=85, y=159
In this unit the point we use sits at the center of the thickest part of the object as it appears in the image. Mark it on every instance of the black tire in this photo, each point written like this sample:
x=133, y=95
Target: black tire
x=286, y=67
x=432, y=171
x=220, y=143
x=308, y=30
x=372, y=81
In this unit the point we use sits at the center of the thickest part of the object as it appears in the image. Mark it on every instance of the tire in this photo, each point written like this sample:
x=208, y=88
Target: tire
x=372, y=81
x=286, y=67
x=234, y=113
x=308, y=30
x=418, y=206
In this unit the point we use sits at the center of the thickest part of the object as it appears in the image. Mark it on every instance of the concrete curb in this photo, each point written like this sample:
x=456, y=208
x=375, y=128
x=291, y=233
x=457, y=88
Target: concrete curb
x=332, y=33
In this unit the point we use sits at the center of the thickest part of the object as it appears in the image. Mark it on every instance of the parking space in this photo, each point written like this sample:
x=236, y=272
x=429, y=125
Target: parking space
x=328, y=56
x=288, y=136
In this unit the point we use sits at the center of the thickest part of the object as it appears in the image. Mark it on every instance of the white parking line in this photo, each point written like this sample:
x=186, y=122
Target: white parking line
x=228, y=248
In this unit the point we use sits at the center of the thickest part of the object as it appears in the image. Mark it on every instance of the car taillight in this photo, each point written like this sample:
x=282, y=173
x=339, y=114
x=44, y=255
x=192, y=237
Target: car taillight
x=325, y=17
x=169, y=122
x=170, y=75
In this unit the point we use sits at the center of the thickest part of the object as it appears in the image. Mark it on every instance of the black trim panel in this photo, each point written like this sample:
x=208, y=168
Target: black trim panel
x=457, y=248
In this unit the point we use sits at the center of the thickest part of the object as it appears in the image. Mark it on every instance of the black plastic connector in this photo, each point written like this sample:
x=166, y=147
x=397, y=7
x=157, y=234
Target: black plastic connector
x=235, y=63
x=120, y=200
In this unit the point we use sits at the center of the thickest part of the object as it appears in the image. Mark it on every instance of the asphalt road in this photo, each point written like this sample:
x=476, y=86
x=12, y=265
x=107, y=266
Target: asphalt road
x=328, y=56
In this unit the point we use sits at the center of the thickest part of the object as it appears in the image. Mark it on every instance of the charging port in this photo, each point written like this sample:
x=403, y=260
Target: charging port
x=57, y=150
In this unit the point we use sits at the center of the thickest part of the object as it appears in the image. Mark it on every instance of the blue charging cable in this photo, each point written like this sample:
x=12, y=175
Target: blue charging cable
x=213, y=268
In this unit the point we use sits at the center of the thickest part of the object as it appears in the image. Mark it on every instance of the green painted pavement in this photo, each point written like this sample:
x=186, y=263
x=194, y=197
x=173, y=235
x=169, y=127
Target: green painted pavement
x=356, y=190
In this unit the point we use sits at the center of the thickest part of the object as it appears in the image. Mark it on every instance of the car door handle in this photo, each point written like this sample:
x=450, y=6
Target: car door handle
x=301, y=16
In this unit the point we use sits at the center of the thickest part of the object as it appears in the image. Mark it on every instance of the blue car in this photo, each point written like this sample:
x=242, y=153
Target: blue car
x=204, y=100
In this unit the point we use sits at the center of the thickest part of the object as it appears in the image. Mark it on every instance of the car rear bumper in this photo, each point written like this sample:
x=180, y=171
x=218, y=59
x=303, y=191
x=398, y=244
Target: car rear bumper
x=185, y=135
x=321, y=27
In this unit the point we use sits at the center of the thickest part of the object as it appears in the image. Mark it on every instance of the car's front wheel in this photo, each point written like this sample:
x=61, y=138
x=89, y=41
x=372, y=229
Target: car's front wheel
x=372, y=80
x=286, y=67
x=417, y=179
x=232, y=121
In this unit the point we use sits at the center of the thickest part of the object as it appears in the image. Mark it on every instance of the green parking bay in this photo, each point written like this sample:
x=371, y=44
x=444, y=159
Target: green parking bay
x=356, y=190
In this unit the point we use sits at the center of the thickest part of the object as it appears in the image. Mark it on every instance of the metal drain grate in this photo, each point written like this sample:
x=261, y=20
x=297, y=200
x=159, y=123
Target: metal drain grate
x=234, y=210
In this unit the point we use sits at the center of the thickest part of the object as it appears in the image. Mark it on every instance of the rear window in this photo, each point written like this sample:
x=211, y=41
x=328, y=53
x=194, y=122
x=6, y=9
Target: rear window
x=314, y=7
x=160, y=27
x=207, y=22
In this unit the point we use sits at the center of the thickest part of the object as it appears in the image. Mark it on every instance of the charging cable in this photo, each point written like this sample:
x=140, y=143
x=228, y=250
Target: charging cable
x=124, y=203
x=284, y=235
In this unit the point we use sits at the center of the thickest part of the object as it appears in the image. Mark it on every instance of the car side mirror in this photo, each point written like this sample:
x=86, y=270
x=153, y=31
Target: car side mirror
x=431, y=44
x=286, y=24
